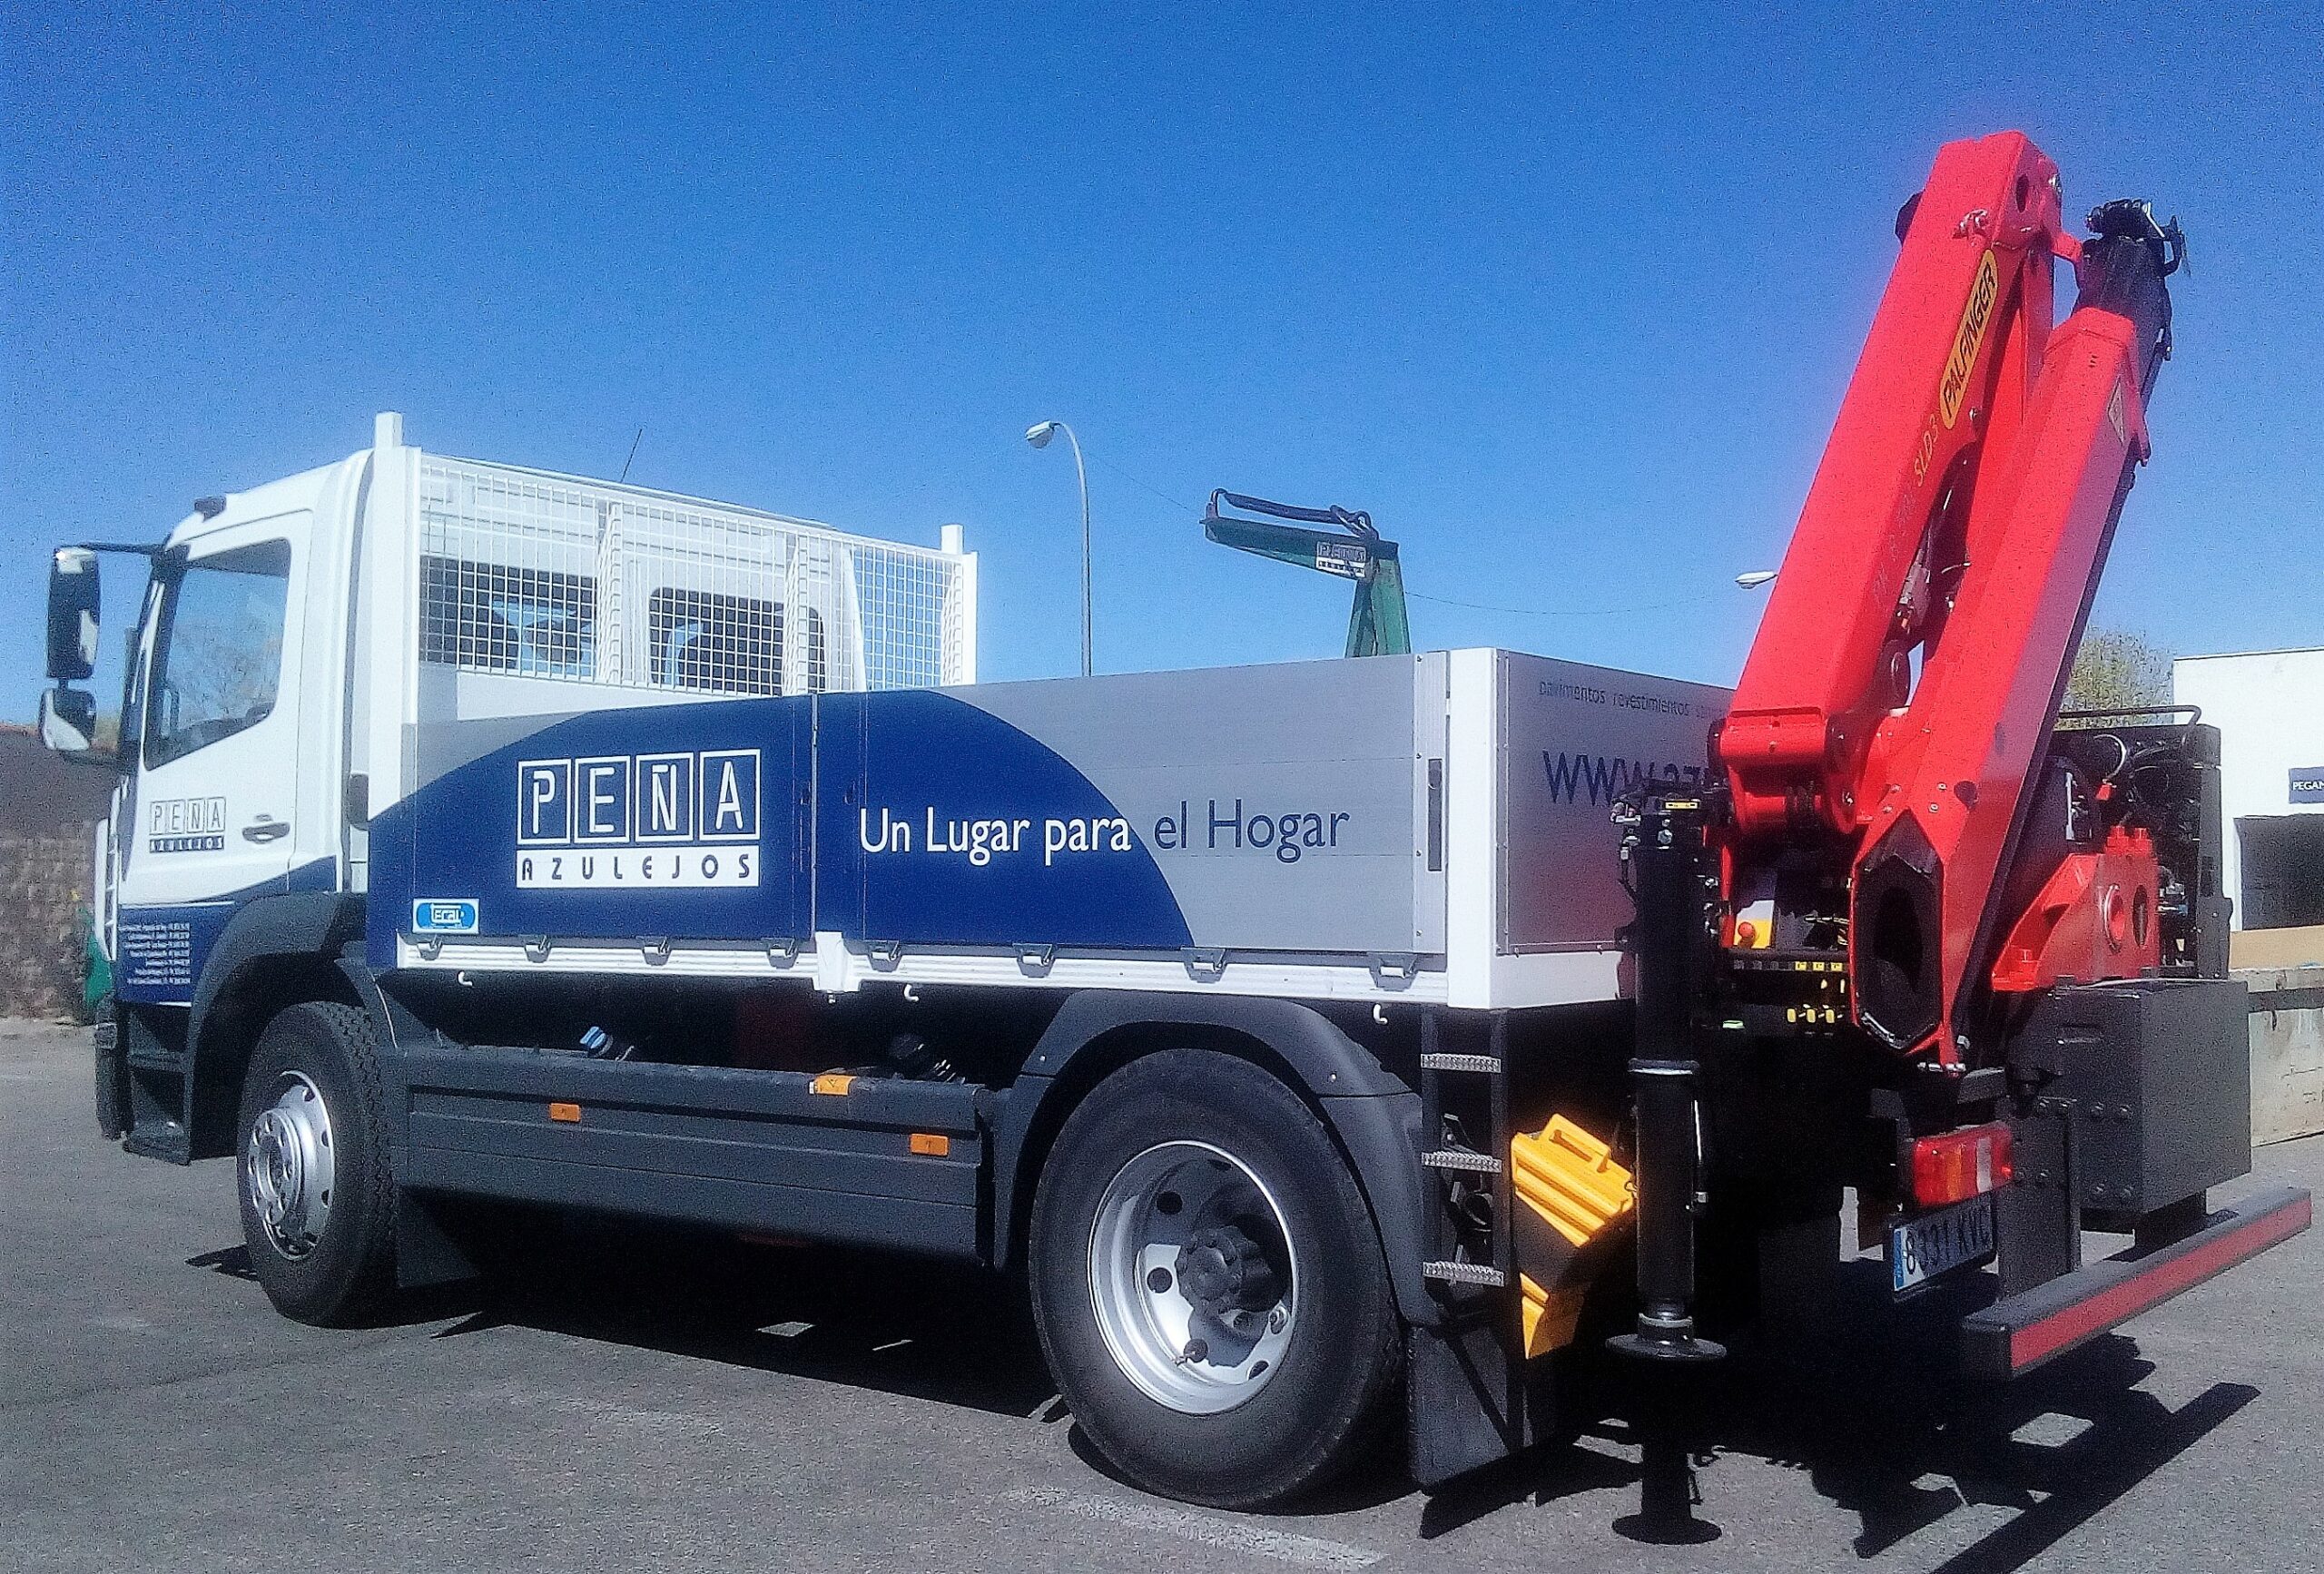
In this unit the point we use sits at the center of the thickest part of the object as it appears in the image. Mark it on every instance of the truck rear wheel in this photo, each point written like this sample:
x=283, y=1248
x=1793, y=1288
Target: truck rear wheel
x=317, y=1201
x=1208, y=1285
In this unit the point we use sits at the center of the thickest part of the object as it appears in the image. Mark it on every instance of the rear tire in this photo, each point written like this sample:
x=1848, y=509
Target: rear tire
x=317, y=1201
x=1208, y=1285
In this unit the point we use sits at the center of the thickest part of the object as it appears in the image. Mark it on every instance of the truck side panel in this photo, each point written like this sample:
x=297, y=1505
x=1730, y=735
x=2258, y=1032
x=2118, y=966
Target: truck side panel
x=1573, y=739
x=1271, y=808
x=670, y=821
x=1299, y=826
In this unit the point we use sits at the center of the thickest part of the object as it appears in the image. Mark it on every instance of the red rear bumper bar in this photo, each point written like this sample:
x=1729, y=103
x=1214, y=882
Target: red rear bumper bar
x=2014, y=1337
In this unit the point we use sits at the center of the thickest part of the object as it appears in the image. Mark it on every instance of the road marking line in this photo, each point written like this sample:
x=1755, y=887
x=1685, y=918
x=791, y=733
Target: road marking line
x=1307, y=1551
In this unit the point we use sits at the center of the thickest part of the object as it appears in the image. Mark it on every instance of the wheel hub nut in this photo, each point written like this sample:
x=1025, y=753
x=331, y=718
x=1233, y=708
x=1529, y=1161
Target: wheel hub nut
x=1221, y=1269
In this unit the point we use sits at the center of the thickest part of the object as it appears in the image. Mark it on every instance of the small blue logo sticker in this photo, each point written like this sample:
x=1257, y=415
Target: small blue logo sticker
x=439, y=917
x=2308, y=784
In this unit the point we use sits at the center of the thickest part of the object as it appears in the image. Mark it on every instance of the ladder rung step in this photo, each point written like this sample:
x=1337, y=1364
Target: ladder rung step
x=167, y=1140
x=1464, y=1273
x=1462, y=1158
x=1483, y=1063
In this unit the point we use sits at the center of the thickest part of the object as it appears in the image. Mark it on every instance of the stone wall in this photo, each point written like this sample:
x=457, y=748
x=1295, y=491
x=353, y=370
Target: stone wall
x=44, y=889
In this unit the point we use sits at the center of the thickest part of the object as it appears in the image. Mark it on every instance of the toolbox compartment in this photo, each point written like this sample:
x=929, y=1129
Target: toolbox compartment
x=2153, y=1078
x=878, y=1161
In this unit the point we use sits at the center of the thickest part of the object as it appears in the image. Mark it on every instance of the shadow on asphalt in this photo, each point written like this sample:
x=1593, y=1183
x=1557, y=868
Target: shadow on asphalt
x=949, y=1334
x=1874, y=1420
x=228, y=1261
x=1882, y=1429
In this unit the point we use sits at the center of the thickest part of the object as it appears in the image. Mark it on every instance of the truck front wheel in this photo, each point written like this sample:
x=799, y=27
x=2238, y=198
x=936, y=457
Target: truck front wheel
x=1207, y=1282
x=317, y=1201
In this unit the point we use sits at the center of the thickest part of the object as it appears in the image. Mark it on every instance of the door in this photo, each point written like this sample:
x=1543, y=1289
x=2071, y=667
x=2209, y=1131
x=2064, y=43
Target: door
x=209, y=826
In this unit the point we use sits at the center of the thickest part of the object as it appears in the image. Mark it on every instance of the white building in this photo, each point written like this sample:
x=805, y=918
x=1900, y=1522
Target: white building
x=2269, y=707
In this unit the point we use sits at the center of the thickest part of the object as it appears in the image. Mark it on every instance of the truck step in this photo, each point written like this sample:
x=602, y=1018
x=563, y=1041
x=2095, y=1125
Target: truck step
x=1484, y=1064
x=1464, y=1273
x=164, y=1140
x=1462, y=1158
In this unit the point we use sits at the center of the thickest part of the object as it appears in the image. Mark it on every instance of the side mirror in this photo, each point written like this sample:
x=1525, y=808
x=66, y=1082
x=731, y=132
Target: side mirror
x=68, y=722
x=72, y=614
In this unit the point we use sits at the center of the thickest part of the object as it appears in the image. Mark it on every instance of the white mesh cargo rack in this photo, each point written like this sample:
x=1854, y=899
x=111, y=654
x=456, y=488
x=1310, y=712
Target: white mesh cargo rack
x=529, y=573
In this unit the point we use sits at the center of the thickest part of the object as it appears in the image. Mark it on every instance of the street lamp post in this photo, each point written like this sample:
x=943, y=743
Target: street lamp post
x=1039, y=435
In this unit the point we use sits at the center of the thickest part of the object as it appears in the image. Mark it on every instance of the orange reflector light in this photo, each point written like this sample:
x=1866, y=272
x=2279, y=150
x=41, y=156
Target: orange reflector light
x=935, y=1145
x=567, y=1112
x=1961, y=1165
x=830, y=1082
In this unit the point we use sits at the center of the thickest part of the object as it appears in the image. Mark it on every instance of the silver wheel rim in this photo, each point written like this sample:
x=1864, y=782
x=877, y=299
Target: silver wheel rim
x=291, y=1165
x=1193, y=1277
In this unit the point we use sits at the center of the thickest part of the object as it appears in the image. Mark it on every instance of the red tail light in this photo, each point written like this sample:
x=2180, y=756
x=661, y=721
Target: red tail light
x=1960, y=1165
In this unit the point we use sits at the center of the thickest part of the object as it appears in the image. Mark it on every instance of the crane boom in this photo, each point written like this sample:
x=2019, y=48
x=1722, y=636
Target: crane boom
x=1899, y=697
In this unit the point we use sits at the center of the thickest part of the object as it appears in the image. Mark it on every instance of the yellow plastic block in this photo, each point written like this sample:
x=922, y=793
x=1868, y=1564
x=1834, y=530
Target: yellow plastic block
x=1571, y=1179
x=1549, y=1316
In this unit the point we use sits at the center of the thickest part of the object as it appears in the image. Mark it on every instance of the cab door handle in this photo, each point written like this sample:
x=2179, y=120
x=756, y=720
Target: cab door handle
x=266, y=830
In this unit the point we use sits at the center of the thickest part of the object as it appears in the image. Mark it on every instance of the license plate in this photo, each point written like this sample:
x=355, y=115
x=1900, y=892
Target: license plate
x=1920, y=1249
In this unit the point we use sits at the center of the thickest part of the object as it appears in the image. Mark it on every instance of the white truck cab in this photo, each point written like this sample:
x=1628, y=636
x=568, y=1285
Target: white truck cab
x=241, y=741
x=291, y=638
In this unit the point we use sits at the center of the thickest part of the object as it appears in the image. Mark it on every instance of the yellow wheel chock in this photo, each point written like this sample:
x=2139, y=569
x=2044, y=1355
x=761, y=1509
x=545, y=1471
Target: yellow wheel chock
x=1575, y=1196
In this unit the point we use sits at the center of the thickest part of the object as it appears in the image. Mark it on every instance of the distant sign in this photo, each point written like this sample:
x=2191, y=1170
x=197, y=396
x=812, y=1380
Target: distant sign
x=2308, y=783
x=1346, y=558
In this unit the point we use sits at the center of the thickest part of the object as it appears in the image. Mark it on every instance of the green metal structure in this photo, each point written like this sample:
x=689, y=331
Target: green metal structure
x=1376, y=623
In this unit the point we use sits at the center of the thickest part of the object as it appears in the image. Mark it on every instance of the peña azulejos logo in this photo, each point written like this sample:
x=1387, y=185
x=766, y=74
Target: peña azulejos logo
x=675, y=819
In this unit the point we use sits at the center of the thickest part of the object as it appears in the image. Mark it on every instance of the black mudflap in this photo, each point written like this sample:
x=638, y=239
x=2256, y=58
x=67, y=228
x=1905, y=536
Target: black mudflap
x=1471, y=1402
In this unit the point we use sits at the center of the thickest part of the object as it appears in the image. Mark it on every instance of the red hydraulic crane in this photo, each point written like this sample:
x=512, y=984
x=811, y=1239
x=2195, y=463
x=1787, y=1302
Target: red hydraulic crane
x=1891, y=718
x=1911, y=927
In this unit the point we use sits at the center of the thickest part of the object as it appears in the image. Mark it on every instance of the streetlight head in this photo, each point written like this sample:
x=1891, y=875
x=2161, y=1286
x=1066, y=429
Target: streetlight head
x=1039, y=435
x=1755, y=579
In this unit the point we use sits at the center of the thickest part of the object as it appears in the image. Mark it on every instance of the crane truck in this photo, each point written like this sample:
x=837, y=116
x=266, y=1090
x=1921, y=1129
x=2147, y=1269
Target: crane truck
x=1305, y=1035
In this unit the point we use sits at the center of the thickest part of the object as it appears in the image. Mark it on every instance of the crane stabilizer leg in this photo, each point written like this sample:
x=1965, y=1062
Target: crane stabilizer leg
x=1673, y=876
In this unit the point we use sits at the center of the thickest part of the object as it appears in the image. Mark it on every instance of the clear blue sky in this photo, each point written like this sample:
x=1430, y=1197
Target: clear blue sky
x=1566, y=300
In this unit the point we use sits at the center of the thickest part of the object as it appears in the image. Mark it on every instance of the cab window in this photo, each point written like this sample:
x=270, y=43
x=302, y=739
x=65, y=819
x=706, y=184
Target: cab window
x=217, y=657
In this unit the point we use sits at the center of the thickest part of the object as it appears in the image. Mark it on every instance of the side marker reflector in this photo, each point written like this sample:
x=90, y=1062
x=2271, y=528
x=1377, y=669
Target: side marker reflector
x=568, y=1113
x=935, y=1145
x=834, y=1082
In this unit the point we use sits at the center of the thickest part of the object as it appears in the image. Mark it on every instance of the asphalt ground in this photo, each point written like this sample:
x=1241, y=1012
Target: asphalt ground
x=632, y=1399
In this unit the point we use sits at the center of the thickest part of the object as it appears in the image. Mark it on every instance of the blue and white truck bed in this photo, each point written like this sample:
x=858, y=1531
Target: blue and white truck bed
x=1434, y=828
